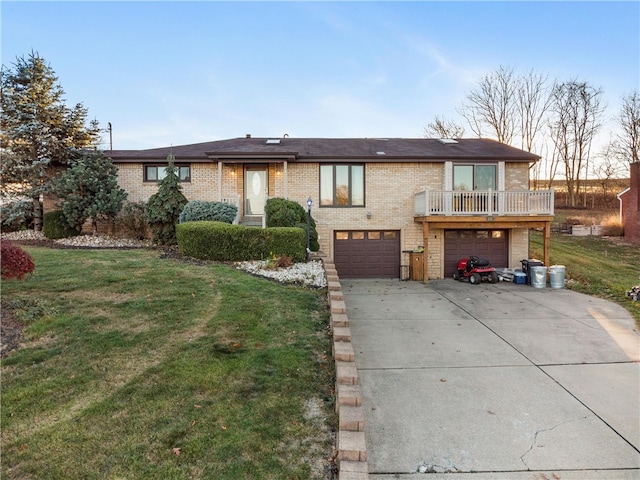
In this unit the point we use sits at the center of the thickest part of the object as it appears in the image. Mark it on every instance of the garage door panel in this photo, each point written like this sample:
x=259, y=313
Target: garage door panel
x=491, y=244
x=367, y=254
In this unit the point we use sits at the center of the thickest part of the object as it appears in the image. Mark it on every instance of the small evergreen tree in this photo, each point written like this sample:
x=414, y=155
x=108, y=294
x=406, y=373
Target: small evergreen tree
x=164, y=207
x=89, y=189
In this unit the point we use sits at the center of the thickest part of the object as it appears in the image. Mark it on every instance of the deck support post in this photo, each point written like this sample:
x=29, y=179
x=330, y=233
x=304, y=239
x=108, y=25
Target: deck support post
x=425, y=255
x=546, y=242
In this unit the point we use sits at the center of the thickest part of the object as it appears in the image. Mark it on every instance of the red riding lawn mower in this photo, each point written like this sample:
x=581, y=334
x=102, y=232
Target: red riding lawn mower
x=475, y=270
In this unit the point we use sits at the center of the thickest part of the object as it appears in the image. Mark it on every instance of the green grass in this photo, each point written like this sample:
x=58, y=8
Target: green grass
x=595, y=266
x=139, y=367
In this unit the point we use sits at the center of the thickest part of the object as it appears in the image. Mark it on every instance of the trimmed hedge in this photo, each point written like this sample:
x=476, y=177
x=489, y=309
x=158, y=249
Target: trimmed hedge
x=56, y=226
x=224, y=242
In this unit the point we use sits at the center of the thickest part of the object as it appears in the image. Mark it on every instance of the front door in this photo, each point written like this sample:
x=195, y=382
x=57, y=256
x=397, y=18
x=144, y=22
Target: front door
x=255, y=190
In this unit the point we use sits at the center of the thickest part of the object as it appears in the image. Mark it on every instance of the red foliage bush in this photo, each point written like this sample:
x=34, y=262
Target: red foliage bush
x=16, y=263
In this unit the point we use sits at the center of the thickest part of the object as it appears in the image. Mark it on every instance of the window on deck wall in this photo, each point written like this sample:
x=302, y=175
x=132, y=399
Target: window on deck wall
x=474, y=177
x=342, y=185
x=155, y=173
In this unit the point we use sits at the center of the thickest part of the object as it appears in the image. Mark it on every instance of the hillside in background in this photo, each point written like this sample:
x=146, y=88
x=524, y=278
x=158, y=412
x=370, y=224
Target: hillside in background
x=594, y=194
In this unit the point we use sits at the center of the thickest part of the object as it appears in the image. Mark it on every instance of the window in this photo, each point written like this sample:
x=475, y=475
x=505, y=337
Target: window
x=474, y=177
x=155, y=173
x=342, y=185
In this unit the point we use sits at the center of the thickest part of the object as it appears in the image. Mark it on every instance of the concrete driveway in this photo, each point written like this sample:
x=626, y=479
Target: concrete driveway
x=496, y=381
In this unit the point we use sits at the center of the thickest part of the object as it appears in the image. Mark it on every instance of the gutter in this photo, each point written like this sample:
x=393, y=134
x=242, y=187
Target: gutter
x=619, y=196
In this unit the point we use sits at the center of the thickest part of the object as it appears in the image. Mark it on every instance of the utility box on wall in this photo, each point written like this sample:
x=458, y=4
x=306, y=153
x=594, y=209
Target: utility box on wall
x=416, y=268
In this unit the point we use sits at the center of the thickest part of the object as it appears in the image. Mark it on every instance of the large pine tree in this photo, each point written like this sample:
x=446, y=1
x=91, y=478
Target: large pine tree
x=37, y=130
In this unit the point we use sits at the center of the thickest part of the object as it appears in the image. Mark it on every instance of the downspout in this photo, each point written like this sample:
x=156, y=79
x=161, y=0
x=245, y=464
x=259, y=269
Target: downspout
x=285, y=179
x=619, y=196
x=219, y=180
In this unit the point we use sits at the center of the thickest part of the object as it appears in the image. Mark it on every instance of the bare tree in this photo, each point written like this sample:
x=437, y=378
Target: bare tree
x=441, y=128
x=577, y=114
x=610, y=167
x=542, y=172
x=627, y=143
x=508, y=105
x=492, y=106
x=533, y=103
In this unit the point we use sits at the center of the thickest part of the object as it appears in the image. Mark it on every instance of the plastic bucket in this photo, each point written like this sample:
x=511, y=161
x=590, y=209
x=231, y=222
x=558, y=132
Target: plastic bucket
x=538, y=277
x=556, y=276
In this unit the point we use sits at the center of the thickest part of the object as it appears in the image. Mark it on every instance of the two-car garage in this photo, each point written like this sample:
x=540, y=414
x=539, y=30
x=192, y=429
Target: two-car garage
x=377, y=253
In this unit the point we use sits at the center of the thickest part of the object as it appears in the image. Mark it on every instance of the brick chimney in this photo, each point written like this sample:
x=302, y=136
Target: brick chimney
x=631, y=206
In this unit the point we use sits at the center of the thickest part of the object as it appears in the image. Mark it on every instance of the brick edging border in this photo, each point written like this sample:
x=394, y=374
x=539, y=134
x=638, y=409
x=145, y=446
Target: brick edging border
x=350, y=442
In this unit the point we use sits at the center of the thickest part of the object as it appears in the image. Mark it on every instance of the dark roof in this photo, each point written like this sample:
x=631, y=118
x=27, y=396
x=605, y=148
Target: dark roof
x=332, y=149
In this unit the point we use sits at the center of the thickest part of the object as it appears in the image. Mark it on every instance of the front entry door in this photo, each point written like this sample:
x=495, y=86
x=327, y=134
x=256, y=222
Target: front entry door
x=255, y=188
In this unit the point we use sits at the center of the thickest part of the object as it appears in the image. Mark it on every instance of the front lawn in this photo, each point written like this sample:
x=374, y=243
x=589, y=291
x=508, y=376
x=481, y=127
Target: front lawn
x=136, y=366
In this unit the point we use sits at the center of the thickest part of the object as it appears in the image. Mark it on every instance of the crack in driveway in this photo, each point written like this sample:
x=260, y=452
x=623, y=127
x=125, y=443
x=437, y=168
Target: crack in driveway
x=543, y=430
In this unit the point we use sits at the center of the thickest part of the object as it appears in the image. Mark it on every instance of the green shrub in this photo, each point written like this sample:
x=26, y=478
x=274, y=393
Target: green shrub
x=223, y=242
x=16, y=216
x=56, y=226
x=287, y=213
x=132, y=220
x=88, y=189
x=284, y=213
x=199, y=210
x=164, y=207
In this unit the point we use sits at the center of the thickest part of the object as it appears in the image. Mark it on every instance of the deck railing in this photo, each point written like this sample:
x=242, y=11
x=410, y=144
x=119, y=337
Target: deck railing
x=233, y=200
x=483, y=202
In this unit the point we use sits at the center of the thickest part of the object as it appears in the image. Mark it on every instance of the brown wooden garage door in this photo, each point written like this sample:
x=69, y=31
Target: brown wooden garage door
x=367, y=253
x=491, y=244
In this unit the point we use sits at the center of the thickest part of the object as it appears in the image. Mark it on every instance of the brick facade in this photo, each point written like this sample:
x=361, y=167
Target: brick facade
x=631, y=206
x=389, y=199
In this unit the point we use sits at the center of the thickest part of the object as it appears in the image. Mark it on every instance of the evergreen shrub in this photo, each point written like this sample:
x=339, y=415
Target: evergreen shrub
x=199, y=210
x=164, y=207
x=16, y=216
x=224, y=242
x=57, y=226
x=287, y=213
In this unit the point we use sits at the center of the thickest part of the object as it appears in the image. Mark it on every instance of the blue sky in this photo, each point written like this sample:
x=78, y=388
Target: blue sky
x=184, y=72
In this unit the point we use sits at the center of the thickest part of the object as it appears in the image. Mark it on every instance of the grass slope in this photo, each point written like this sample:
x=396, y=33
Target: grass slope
x=595, y=265
x=139, y=367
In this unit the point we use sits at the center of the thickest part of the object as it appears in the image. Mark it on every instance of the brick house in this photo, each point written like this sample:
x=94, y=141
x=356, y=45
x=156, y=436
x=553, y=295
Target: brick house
x=375, y=200
x=630, y=206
